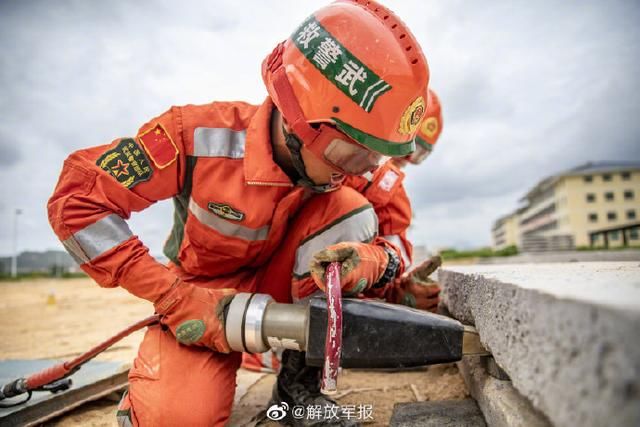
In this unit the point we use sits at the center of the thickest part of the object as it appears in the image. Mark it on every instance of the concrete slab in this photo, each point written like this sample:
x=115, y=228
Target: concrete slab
x=442, y=413
x=499, y=401
x=566, y=256
x=566, y=334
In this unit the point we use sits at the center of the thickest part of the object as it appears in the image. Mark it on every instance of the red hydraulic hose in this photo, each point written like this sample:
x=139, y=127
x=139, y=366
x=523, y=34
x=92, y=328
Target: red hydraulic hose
x=333, y=341
x=64, y=369
x=57, y=372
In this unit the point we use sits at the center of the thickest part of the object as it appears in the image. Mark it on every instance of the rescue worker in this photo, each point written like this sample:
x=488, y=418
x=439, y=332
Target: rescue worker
x=415, y=290
x=428, y=133
x=384, y=189
x=258, y=197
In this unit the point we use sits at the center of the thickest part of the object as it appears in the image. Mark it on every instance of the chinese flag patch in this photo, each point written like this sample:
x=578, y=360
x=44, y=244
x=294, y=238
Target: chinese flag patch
x=158, y=144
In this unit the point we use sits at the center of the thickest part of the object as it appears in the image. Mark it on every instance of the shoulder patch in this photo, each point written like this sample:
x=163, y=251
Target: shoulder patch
x=159, y=145
x=388, y=180
x=127, y=163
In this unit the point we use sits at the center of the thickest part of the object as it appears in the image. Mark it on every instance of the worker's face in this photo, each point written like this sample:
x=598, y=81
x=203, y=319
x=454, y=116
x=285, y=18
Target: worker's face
x=400, y=162
x=419, y=155
x=339, y=156
x=319, y=171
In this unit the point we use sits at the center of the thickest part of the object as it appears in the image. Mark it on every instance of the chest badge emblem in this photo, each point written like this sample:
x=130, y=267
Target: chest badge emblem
x=225, y=211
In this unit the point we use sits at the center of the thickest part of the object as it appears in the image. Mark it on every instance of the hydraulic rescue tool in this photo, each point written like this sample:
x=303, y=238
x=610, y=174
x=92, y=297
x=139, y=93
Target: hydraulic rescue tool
x=334, y=332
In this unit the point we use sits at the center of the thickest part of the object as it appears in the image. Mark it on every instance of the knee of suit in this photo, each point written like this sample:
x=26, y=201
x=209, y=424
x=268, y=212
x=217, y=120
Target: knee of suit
x=325, y=219
x=347, y=216
x=333, y=205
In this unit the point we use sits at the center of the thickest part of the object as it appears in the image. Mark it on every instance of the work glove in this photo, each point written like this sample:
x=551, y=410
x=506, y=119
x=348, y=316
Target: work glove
x=416, y=289
x=195, y=315
x=363, y=266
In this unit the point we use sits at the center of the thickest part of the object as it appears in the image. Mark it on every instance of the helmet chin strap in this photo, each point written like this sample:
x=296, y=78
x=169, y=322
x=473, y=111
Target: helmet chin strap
x=290, y=109
x=294, y=145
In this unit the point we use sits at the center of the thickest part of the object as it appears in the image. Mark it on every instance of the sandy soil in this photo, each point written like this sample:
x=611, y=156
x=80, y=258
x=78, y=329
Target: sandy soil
x=82, y=314
x=62, y=318
x=379, y=390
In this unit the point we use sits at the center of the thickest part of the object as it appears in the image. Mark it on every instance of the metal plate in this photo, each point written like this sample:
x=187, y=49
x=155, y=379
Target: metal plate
x=93, y=381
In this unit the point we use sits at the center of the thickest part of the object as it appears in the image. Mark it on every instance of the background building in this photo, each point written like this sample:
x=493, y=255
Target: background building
x=596, y=204
x=505, y=231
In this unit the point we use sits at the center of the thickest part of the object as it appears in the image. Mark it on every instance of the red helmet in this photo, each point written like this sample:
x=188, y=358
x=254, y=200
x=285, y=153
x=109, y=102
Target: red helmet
x=429, y=130
x=354, y=71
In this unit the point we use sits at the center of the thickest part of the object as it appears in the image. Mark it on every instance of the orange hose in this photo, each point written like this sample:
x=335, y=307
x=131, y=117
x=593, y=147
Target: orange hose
x=64, y=369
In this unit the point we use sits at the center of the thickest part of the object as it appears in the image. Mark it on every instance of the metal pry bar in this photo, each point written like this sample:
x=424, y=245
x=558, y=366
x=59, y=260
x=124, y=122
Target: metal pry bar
x=471, y=344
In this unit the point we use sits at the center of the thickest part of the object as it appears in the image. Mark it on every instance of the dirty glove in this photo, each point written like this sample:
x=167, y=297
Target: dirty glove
x=195, y=315
x=364, y=266
x=416, y=289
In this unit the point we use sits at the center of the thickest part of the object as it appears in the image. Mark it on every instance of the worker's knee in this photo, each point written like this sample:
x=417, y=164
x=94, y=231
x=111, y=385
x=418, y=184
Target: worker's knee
x=339, y=208
x=205, y=405
x=171, y=384
x=344, y=216
x=183, y=411
x=326, y=207
x=325, y=219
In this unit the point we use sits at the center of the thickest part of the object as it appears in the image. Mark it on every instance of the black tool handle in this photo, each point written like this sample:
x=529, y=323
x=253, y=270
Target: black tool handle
x=381, y=335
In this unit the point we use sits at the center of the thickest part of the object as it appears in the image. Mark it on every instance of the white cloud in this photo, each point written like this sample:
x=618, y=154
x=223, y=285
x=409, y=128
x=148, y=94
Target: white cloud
x=527, y=88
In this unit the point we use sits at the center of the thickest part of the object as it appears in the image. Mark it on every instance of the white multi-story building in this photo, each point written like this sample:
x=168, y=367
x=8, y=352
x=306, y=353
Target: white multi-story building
x=596, y=204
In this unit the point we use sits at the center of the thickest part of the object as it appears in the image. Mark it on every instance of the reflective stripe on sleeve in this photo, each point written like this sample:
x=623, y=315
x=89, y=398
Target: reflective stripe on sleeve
x=218, y=142
x=228, y=228
x=396, y=240
x=97, y=238
x=358, y=226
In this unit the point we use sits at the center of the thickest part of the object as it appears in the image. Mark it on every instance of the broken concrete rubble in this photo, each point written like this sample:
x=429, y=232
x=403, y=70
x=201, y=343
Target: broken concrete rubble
x=566, y=334
x=499, y=401
x=443, y=413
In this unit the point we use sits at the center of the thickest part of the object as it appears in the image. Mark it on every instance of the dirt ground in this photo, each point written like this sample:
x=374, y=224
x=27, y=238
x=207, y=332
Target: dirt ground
x=50, y=318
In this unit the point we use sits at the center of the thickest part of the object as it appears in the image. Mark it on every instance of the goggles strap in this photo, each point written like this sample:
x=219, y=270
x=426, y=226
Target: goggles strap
x=289, y=105
x=294, y=145
x=303, y=133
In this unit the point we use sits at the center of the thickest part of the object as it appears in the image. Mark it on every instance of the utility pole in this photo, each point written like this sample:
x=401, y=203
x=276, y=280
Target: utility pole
x=14, y=260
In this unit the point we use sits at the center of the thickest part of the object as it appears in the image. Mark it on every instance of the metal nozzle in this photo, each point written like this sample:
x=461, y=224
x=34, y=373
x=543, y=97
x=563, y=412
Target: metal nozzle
x=285, y=325
x=244, y=322
x=254, y=323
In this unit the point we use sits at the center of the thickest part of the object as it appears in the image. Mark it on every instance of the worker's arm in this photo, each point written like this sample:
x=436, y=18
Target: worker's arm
x=370, y=267
x=385, y=191
x=413, y=288
x=98, y=189
x=394, y=218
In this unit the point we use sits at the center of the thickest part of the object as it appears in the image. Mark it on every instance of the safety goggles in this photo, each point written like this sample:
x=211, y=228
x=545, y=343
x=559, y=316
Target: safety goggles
x=344, y=154
x=419, y=155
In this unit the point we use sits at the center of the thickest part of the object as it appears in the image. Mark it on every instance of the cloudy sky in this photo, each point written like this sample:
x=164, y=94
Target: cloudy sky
x=528, y=89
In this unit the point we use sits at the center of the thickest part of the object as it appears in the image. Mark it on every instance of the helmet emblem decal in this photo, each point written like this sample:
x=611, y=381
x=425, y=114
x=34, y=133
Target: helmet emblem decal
x=338, y=65
x=430, y=127
x=412, y=116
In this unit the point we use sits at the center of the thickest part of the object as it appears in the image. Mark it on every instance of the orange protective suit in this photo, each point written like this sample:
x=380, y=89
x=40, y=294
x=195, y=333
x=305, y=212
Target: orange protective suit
x=239, y=224
x=386, y=193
